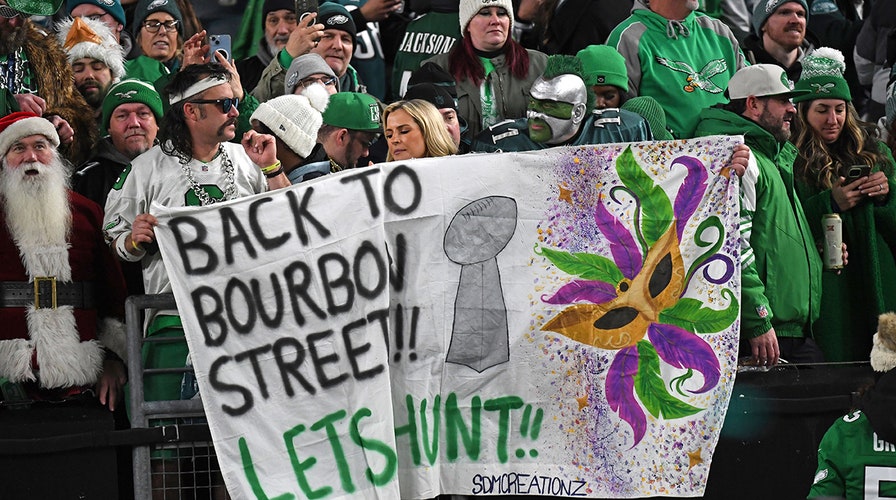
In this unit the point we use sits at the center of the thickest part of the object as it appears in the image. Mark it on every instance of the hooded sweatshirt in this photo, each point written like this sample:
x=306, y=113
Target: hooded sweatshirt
x=684, y=64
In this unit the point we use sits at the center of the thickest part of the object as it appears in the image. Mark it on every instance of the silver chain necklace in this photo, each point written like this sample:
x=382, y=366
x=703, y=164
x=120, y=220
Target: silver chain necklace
x=229, y=178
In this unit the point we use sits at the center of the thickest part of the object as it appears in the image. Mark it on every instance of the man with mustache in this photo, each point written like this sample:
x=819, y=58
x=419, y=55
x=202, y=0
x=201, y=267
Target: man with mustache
x=193, y=164
x=780, y=267
x=95, y=57
x=561, y=112
x=779, y=35
x=61, y=291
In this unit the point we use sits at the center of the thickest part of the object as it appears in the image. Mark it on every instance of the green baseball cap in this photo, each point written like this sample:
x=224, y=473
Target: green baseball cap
x=36, y=7
x=353, y=110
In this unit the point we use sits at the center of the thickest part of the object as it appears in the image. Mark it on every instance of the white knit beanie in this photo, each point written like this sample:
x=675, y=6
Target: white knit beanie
x=295, y=119
x=883, y=350
x=83, y=37
x=469, y=8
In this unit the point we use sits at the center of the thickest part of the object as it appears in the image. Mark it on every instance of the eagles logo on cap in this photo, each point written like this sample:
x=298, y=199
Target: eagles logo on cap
x=770, y=6
x=126, y=95
x=108, y=2
x=601, y=79
x=337, y=19
x=786, y=81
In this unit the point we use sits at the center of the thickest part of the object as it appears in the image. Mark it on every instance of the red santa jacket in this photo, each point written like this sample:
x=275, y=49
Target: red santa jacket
x=66, y=343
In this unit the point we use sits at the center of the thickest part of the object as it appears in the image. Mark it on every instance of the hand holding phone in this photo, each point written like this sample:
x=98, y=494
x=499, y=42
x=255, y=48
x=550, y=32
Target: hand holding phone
x=306, y=8
x=855, y=172
x=220, y=43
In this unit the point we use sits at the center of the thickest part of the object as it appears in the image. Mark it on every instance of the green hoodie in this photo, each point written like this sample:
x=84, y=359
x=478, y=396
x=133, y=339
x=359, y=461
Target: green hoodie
x=780, y=266
x=685, y=65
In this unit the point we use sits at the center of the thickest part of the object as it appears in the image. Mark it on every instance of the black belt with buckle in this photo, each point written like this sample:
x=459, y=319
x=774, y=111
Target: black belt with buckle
x=47, y=292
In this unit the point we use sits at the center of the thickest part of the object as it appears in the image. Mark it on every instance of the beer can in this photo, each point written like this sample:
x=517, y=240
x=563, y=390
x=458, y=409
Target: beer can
x=833, y=241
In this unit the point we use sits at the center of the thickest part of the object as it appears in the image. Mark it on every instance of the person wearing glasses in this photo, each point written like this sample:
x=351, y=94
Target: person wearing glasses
x=35, y=77
x=158, y=34
x=351, y=124
x=194, y=164
x=307, y=70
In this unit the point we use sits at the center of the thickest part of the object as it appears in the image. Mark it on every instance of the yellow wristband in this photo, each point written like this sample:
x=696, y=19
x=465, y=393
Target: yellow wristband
x=134, y=244
x=267, y=170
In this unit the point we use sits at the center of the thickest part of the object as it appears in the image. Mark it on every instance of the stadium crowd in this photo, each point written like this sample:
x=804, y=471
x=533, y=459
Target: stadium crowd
x=123, y=103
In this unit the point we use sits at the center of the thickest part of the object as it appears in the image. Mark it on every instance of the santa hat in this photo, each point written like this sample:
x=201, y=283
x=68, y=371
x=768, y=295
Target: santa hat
x=15, y=126
x=295, y=119
x=83, y=37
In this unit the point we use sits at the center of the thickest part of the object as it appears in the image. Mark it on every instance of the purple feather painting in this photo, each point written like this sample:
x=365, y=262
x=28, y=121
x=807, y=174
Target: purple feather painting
x=640, y=252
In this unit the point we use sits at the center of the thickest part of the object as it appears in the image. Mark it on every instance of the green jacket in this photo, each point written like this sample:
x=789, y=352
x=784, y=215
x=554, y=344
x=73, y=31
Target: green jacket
x=852, y=300
x=511, y=95
x=780, y=266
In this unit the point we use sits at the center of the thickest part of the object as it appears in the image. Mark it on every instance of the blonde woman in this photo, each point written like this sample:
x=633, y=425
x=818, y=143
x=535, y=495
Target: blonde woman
x=415, y=129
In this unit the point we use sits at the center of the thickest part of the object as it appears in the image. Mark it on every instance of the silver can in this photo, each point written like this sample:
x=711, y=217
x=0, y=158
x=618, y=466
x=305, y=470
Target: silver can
x=833, y=241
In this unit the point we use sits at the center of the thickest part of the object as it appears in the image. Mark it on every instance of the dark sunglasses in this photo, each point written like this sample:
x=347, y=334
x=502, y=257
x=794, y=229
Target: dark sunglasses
x=226, y=103
x=8, y=12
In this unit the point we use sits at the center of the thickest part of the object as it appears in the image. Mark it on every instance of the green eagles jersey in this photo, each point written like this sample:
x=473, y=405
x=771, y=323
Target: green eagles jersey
x=853, y=463
x=430, y=34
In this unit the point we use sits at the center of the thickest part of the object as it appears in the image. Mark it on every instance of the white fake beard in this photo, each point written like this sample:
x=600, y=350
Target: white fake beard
x=38, y=215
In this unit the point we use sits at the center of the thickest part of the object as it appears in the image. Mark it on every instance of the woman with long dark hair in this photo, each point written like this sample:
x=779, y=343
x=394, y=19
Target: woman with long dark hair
x=844, y=168
x=493, y=72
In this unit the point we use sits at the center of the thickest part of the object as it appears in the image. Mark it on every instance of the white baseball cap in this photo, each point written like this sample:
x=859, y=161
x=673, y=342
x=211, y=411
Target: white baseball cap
x=761, y=80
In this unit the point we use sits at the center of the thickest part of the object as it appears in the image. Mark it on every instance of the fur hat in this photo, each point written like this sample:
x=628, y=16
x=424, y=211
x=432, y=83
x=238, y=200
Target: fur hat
x=883, y=352
x=131, y=91
x=603, y=65
x=765, y=8
x=146, y=7
x=822, y=76
x=82, y=37
x=113, y=7
x=336, y=17
x=295, y=119
x=15, y=126
x=469, y=8
x=304, y=66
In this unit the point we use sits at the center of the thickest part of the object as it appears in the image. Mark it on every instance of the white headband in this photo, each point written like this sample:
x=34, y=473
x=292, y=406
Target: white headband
x=201, y=85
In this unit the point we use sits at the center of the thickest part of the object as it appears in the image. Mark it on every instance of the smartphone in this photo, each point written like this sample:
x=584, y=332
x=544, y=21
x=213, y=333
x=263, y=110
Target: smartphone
x=220, y=43
x=854, y=172
x=306, y=8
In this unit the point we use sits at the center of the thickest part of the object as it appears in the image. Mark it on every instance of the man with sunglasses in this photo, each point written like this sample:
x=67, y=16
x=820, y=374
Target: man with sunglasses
x=35, y=77
x=193, y=165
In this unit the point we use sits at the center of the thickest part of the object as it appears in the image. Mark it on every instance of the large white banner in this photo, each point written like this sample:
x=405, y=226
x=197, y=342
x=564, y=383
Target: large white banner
x=562, y=322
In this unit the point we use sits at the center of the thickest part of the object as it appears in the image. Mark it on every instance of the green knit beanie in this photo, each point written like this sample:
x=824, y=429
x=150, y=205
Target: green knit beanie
x=131, y=91
x=822, y=76
x=653, y=113
x=603, y=65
